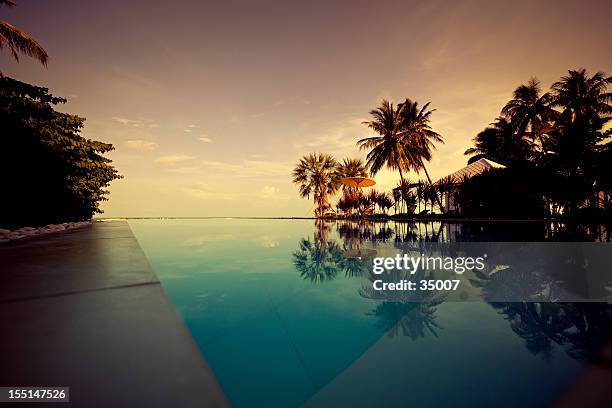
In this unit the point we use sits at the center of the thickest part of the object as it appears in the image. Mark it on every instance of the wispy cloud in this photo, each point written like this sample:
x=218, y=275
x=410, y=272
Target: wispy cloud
x=269, y=192
x=138, y=123
x=183, y=170
x=340, y=138
x=204, y=192
x=173, y=159
x=139, y=144
x=205, y=139
x=249, y=168
x=191, y=128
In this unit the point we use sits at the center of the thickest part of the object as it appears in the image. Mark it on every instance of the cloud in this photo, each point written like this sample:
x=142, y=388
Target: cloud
x=341, y=138
x=205, y=139
x=183, y=170
x=173, y=159
x=269, y=192
x=138, y=123
x=250, y=168
x=190, y=128
x=139, y=144
x=204, y=192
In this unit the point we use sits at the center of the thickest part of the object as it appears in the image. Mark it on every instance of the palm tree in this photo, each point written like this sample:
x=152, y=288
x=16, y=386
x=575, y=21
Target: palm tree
x=583, y=99
x=351, y=168
x=18, y=42
x=317, y=174
x=529, y=112
x=403, y=187
x=397, y=196
x=373, y=198
x=575, y=145
x=420, y=138
x=387, y=148
x=384, y=202
x=420, y=194
x=499, y=143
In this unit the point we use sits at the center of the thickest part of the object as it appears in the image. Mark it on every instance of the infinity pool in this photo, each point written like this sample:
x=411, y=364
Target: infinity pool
x=277, y=311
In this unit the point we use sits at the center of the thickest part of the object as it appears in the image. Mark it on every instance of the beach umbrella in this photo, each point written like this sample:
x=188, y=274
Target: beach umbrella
x=358, y=182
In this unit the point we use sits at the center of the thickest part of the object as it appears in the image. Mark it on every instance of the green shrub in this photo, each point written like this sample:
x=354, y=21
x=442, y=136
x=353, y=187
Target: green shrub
x=49, y=173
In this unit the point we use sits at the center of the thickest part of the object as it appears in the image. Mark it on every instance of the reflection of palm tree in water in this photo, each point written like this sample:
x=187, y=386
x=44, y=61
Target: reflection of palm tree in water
x=323, y=259
x=318, y=261
x=582, y=329
x=413, y=320
x=410, y=314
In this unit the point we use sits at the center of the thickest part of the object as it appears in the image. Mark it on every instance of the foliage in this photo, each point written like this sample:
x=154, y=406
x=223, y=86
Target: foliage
x=18, y=42
x=404, y=138
x=559, y=135
x=317, y=174
x=50, y=173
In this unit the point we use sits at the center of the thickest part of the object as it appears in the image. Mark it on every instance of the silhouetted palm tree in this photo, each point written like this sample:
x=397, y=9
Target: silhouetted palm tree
x=499, y=143
x=352, y=168
x=384, y=202
x=575, y=144
x=18, y=42
x=529, y=112
x=317, y=174
x=397, y=196
x=583, y=99
x=418, y=135
x=403, y=187
x=387, y=148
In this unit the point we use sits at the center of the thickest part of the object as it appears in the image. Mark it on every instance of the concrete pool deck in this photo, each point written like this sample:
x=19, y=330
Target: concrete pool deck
x=84, y=309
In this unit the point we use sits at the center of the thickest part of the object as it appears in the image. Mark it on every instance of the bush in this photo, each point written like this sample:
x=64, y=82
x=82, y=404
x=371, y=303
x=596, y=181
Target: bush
x=49, y=173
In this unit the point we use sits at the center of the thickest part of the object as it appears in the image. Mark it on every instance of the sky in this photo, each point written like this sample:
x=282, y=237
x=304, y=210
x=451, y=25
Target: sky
x=210, y=104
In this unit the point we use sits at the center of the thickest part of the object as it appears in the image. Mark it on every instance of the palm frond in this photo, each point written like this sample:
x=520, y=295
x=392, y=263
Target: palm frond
x=18, y=42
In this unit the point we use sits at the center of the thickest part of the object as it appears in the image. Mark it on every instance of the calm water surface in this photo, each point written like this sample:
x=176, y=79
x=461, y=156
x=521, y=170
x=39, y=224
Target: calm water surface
x=275, y=307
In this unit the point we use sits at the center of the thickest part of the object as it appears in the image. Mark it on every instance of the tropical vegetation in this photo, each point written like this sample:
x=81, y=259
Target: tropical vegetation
x=556, y=149
x=49, y=172
x=552, y=149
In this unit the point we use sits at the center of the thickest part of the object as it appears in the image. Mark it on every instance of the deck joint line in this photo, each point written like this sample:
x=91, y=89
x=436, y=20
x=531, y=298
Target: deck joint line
x=76, y=292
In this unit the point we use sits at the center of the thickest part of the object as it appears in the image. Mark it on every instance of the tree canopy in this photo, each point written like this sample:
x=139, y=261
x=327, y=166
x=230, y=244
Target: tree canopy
x=49, y=172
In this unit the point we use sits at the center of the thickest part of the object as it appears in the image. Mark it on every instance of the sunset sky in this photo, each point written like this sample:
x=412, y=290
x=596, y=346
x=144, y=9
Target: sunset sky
x=210, y=104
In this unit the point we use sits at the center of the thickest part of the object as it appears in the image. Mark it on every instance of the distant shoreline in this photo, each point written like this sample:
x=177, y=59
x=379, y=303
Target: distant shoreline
x=374, y=219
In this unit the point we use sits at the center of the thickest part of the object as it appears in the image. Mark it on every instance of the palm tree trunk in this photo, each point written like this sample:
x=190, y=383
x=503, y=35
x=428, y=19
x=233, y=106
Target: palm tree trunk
x=437, y=198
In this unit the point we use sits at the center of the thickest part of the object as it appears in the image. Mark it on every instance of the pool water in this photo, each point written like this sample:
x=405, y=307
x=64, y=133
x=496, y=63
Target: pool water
x=283, y=323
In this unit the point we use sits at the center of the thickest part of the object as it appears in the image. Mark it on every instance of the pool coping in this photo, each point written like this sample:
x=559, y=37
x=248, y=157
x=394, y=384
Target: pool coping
x=85, y=309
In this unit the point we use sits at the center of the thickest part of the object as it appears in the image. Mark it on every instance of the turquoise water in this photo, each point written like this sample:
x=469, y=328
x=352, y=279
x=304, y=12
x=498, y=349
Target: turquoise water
x=279, y=317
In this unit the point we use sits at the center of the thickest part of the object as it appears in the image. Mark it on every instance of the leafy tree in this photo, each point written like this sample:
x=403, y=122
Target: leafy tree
x=49, y=171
